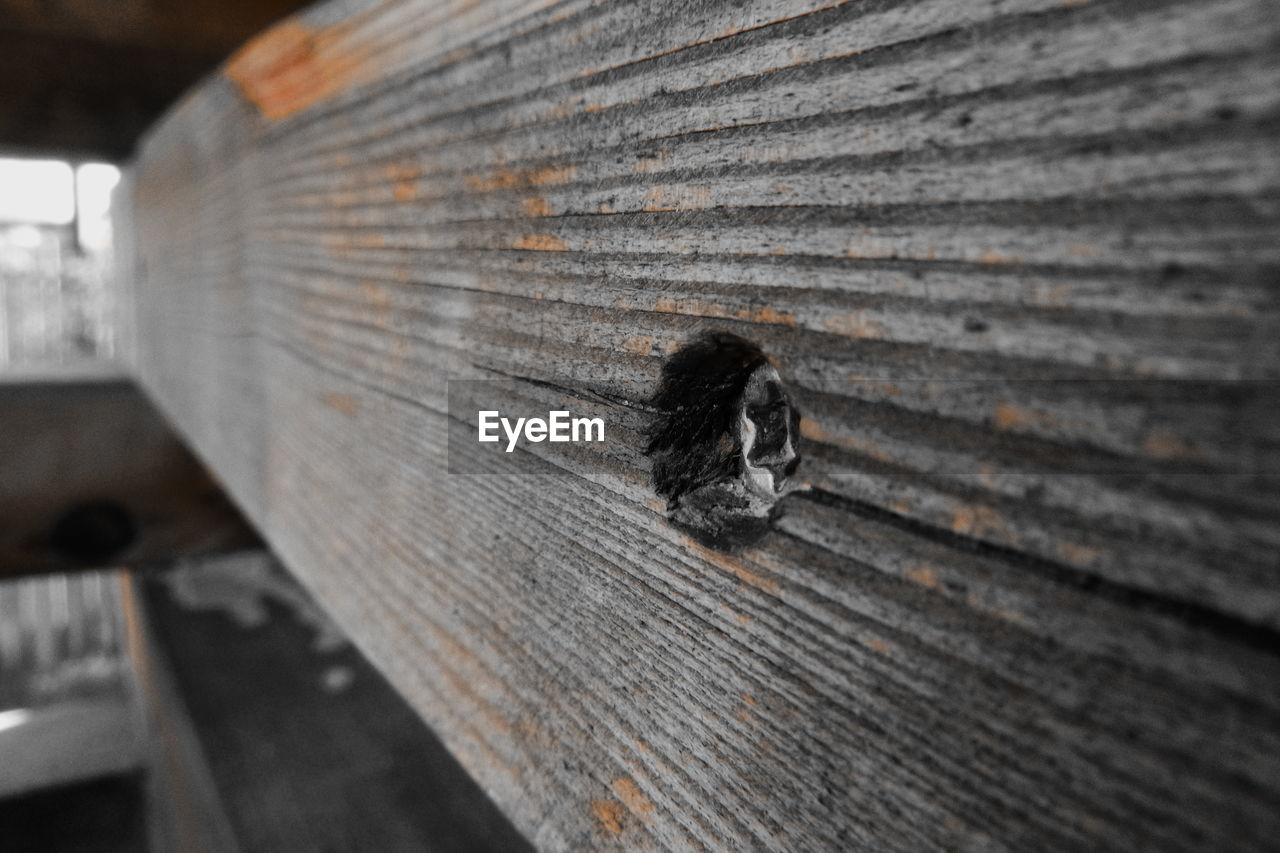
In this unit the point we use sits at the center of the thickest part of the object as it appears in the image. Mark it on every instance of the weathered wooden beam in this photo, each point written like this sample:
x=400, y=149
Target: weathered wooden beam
x=1016, y=259
x=91, y=476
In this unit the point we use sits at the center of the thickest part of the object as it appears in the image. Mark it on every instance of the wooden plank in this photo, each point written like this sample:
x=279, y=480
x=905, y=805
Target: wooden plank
x=91, y=476
x=1015, y=259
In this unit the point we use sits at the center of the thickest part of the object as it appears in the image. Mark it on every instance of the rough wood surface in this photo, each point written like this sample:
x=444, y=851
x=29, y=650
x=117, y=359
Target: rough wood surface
x=1017, y=260
x=74, y=438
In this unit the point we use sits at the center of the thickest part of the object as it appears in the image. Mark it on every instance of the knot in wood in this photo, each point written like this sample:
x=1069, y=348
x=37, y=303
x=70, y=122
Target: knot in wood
x=725, y=445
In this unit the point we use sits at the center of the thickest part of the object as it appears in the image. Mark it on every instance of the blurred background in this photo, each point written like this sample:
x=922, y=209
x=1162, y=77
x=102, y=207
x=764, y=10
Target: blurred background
x=202, y=702
x=55, y=261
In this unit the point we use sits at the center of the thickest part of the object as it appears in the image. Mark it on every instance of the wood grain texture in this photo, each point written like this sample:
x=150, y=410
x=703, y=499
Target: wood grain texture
x=1017, y=260
x=76, y=437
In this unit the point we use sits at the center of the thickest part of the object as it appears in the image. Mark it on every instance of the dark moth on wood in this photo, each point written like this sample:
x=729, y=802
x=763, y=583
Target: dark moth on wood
x=725, y=444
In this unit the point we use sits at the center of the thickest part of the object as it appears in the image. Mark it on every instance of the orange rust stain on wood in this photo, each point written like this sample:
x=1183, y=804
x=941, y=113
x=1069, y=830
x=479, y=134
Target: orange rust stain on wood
x=405, y=180
x=465, y=687
x=964, y=520
x=656, y=199
x=536, y=206
x=979, y=521
x=761, y=314
x=645, y=165
x=855, y=325
x=1080, y=555
x=345, y=403
x=541, y=243
x=455, y=56
x=877, y=644
x=770, y=315
x=1019, y=619
x=1058, y=295
x=665, y=198
x=292, y=66
x=375, y=293
x=513, y=179
x=609, y=813
x=994, y=257
x=924, y=576
x=813, y=430
x=1009, y=416
x=1163, y=444
x=630, y=794
x=343, y=243
x=377, y=297
x=639, y=344
x=734, y=566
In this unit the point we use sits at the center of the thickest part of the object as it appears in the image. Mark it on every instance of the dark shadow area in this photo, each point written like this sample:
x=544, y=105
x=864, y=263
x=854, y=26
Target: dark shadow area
x=101, y=816
x=308, y=746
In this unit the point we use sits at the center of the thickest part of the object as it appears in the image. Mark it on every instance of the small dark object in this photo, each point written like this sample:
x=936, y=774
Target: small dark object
x=726, y=442
x=93, y=533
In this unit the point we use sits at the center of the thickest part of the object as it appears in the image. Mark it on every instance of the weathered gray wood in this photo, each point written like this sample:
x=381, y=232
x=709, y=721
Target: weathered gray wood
x=88, y=437
x=1016, y=257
